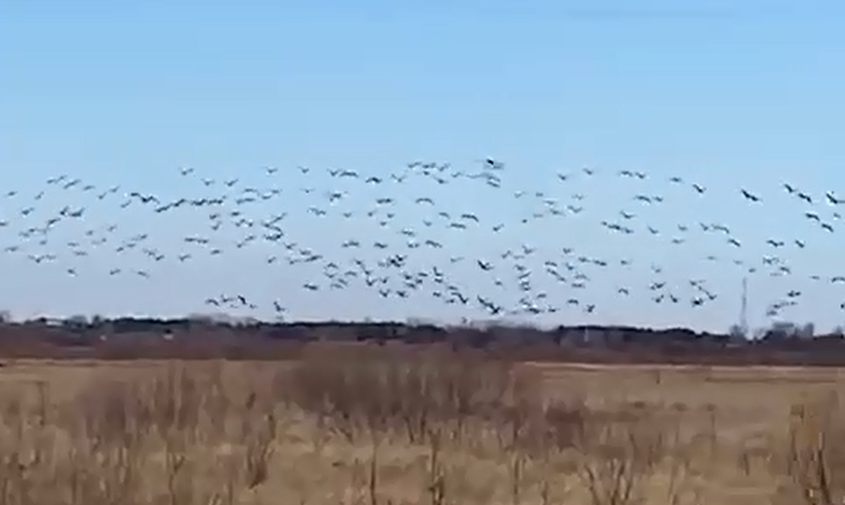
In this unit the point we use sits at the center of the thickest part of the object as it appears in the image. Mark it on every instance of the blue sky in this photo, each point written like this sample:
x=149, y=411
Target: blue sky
x=724, y=94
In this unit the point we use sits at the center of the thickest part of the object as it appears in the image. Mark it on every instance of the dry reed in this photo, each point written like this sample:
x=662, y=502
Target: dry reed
x=379, y=425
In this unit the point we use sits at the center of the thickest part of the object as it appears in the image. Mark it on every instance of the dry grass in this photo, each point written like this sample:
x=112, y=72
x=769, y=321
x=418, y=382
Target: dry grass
x=388, y=426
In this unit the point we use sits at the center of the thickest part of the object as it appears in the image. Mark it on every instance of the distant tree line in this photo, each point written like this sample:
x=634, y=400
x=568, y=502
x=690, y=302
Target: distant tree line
x=205, y=337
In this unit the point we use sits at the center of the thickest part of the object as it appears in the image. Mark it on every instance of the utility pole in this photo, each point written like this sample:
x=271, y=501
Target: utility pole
x=743, y=311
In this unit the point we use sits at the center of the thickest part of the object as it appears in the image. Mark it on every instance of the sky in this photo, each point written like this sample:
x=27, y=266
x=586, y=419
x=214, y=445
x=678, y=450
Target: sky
x=727, y=95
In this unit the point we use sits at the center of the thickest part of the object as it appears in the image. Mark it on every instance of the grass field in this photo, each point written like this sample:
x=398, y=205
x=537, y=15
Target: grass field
x=396, y=426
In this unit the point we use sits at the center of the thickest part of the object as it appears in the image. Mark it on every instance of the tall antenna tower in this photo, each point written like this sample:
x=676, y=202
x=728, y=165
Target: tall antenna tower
x=743, y=311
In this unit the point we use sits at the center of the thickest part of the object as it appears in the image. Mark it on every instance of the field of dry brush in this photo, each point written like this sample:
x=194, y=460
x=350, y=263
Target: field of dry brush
x=394, y=425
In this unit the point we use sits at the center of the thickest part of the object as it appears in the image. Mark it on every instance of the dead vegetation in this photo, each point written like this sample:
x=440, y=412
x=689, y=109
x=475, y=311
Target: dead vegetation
x=380, y=425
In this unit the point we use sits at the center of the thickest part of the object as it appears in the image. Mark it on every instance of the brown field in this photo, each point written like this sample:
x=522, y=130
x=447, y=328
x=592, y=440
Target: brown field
x=389, y=425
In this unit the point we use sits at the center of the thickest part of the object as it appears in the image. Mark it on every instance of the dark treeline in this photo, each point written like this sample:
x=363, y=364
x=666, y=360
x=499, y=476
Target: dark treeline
x=139, y=338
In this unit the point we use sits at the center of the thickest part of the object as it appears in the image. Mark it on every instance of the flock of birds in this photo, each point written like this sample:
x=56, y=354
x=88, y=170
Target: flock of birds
x=424, y=256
